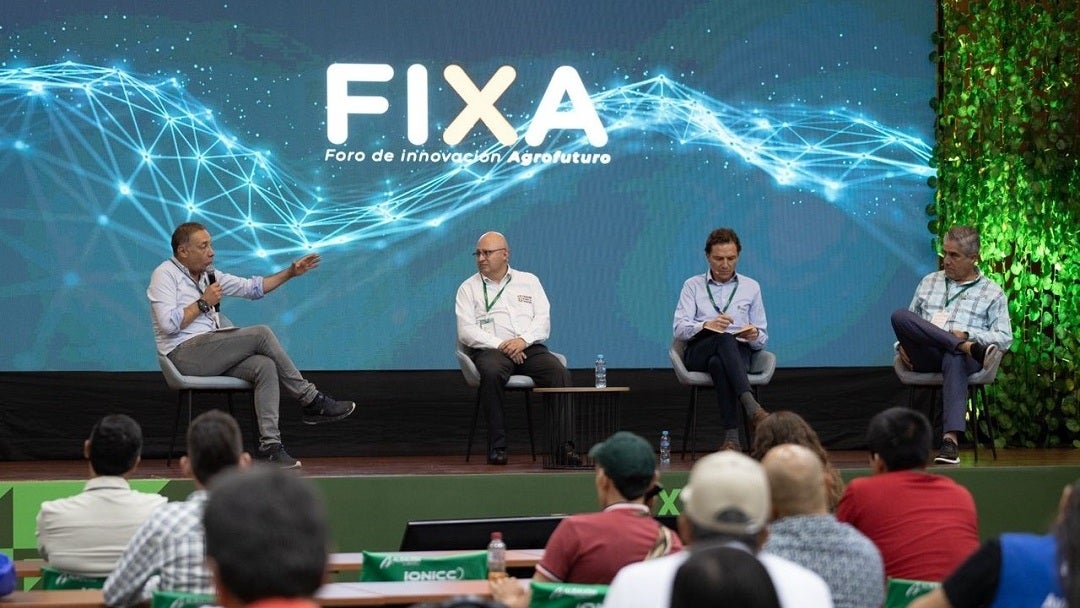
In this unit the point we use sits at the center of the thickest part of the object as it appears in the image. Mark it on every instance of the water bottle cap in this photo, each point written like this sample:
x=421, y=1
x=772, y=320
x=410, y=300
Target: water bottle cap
x=599, y=356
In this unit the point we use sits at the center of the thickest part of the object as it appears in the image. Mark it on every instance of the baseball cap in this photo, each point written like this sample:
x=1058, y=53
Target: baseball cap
x=727, y=492
x=624, y=455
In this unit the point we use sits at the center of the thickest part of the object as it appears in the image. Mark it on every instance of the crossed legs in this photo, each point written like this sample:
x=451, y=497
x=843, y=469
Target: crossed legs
x=932, y=349
x=253, y=354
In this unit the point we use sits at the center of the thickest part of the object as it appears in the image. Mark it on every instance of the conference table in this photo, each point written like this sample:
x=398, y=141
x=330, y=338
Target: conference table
x=330, y=595
x=337, y=563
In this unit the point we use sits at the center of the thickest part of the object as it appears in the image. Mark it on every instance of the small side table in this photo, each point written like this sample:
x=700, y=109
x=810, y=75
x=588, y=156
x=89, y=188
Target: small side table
x=575, y=419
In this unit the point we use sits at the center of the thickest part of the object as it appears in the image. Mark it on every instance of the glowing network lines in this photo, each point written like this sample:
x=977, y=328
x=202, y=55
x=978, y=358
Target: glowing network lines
x=150, y=147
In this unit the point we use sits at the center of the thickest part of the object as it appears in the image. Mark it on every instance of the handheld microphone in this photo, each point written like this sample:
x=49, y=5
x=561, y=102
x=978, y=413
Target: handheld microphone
x=210, y=280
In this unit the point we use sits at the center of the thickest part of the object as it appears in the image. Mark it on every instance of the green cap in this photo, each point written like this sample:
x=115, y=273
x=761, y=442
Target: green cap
x=624, y=455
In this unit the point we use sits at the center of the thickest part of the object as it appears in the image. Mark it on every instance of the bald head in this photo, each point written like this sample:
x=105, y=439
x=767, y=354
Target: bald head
x=492, y=255
x=796, y=479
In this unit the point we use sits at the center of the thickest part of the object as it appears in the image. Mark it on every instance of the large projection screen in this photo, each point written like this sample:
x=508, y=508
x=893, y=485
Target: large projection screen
x=604, y=138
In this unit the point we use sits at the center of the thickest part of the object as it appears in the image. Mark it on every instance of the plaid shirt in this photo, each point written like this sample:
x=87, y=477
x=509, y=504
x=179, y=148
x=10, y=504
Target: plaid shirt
x=978, y=308
x=165, y=553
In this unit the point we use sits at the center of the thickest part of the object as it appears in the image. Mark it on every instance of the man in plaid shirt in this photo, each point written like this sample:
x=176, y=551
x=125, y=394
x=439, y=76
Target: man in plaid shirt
x=957, y=317
x=167, y=553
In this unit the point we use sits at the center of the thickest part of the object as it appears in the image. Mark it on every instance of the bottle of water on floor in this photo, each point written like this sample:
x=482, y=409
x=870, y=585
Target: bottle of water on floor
x=665, y=448
x=601, y=372
x=496, y=556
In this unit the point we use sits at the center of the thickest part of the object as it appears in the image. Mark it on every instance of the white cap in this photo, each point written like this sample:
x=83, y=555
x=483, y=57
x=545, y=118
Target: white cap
x=727, y=492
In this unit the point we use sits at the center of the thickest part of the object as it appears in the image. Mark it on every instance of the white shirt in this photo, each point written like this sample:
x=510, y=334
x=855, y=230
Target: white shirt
x=514, y=307
x=648, y=584
x=85, y=534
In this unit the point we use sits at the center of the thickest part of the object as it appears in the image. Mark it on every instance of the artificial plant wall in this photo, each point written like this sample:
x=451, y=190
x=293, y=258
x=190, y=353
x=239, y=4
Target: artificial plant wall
x=1008, y=130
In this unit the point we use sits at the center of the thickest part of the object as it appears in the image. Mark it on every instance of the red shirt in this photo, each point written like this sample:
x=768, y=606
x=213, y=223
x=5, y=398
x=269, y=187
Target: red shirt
x=284, y=602
x=924, y=525
x=592, y=547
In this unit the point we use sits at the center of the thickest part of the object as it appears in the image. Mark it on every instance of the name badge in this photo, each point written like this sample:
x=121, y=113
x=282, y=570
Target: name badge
x=940, y=318
x=487, y=324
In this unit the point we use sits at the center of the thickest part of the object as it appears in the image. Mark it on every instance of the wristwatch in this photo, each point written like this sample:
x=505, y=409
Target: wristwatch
x=203, y=306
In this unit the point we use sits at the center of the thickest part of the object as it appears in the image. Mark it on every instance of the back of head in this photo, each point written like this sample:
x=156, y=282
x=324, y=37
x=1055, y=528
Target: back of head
x=1068, y=537
x=628, y=461
x=726, y=497
x=785, y=427
x=266, y=534
x=901, y=437
x=723, y=576
x=213, y=444
x=115, y=445
x=796, y=480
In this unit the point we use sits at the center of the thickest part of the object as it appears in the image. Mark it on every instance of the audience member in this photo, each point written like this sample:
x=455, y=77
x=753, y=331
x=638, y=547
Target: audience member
x=185, y=301
x=952, y=334
x=1068, y=539
x=1015, y=569
x=592, y=547
x=721, y=317
x=503, y=318
x=723, y=576
x=789, y=427
x=725, y=503
x=166, y=552
x=267, y=539
x=925, y=525
x=803, y=530
x=85, y=534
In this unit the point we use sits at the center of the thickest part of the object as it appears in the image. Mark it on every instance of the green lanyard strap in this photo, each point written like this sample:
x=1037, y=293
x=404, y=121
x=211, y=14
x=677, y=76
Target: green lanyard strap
x=488, y=305
x=730, y=297
x=949, y=300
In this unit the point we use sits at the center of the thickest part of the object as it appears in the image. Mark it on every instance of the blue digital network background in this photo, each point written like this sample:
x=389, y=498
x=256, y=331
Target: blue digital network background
x=802, y=124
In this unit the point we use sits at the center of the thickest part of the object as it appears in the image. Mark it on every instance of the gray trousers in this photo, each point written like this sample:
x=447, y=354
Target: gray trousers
x=253, y=354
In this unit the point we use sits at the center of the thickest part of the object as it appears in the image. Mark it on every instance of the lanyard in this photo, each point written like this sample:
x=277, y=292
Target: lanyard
x=187, y=275
x=730, y=297
x=488, y=305
x=949, y=300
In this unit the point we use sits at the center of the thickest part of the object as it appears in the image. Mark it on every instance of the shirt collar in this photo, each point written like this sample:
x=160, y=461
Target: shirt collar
x=628, y=506
x=734, y=278
x=110, y=482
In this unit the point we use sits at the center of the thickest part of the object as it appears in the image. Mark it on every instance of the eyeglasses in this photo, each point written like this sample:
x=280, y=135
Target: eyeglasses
x=486, y=253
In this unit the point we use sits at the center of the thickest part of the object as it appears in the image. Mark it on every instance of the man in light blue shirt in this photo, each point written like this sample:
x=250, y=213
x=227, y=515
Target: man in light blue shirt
x=957, y=317
x=721, y=318
x=185, y=295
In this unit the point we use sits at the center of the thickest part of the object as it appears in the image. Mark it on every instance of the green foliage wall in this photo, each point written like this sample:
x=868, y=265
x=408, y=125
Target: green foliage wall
x=1008, y=131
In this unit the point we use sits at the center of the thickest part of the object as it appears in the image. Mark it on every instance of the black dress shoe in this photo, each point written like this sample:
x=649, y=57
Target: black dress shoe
x=497, y=456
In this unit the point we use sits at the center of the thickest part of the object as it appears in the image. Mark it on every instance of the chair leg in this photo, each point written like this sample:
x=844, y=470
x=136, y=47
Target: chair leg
x=686, y=427
x=528, y=420
x=176, y=424
x=472, y=429
x=693, y=424
x=989, y=420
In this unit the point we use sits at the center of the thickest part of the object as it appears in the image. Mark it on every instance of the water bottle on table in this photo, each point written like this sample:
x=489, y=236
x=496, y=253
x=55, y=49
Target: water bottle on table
x=601, y=372
x=665, y=448
x=496, y=556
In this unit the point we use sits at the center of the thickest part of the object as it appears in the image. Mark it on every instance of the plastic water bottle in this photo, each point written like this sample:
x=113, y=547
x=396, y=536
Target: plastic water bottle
x=665, y=448
x=601, y=372
x=496, y=556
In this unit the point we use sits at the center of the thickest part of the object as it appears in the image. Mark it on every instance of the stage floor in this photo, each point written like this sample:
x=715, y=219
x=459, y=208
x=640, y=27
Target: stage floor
x=51, y=470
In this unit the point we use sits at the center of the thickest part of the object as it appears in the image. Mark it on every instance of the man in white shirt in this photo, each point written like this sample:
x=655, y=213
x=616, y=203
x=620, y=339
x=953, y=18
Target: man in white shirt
x=725, y=503
x=503, y=318
x=85, y=534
